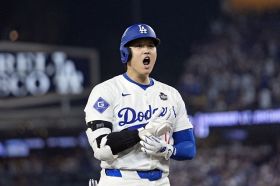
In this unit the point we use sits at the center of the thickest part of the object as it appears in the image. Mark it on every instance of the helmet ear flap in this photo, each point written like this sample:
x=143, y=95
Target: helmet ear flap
x=126, y=54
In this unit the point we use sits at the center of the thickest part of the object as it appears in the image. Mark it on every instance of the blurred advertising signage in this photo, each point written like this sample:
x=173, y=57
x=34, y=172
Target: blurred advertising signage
x=203, y=121
x=31, y=70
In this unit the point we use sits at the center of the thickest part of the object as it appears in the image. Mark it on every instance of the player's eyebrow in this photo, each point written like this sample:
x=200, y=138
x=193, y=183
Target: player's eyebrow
x=141, y=41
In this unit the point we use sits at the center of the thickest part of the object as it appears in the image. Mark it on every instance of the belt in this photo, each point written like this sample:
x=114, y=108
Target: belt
x=151, y=175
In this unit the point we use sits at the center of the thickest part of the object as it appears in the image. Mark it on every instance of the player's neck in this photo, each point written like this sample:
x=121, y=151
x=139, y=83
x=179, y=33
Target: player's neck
x=139, y=78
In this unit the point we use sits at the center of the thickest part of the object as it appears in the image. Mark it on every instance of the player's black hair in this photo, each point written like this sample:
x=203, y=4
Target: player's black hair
x=129, y=58
x=125, y=67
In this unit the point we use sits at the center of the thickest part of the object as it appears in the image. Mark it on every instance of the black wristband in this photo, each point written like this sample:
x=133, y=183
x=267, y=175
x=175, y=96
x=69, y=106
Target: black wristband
x=97, y=124
x=120, y=141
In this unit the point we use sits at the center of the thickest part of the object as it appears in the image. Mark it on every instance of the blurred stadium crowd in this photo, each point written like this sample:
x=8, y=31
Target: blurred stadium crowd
x=236, y=67
x=229, y=165
x=56, y=167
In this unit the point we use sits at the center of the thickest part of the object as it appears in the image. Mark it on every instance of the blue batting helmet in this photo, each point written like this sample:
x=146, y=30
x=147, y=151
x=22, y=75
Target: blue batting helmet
x=134, y=32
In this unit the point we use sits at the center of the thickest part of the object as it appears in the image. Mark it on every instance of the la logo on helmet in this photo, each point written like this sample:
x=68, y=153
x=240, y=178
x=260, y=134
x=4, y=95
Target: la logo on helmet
x=142, y=29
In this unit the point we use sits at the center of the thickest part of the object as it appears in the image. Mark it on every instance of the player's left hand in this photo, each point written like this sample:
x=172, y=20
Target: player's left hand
x=155, y=146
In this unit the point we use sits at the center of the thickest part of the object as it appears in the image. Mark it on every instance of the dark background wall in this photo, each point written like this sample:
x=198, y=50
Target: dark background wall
x=100, y=24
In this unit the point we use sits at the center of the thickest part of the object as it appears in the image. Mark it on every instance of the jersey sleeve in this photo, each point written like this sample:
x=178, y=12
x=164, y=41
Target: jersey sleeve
x=182, y=119
x=100, y=104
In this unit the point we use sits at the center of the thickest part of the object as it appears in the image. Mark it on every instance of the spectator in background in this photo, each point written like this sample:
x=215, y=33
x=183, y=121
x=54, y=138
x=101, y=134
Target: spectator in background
x=236, y=67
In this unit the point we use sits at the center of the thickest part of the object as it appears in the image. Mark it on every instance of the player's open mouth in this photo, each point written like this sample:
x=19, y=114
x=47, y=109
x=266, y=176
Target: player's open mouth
x=146, y=61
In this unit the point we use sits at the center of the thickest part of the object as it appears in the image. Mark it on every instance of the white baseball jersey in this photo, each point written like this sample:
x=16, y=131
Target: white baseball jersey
x=127, y=105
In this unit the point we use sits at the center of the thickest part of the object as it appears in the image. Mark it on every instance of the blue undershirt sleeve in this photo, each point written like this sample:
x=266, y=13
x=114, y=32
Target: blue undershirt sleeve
x=184, y=144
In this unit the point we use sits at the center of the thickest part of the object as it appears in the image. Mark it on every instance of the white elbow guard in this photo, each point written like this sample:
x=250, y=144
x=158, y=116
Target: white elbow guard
x=102, y=152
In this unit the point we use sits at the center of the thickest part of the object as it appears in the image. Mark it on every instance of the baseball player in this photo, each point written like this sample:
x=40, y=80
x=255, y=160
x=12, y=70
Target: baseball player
x=136, y=124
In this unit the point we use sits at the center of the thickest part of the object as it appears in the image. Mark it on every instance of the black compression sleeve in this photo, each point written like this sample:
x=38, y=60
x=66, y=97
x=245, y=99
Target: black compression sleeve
x=119, y=141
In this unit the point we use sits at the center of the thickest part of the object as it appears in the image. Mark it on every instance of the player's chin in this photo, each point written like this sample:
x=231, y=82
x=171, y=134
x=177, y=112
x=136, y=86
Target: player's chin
x=147, y=70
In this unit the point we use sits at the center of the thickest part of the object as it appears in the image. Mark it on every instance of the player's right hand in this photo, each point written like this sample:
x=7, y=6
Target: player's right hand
x=158, y=124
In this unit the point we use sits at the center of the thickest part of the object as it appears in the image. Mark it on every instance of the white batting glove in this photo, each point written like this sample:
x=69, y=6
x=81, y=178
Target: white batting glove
x=158, y=124
x=155, y=146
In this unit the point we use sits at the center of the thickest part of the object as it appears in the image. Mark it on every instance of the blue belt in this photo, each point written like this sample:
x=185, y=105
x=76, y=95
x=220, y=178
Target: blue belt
x=151, y=175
